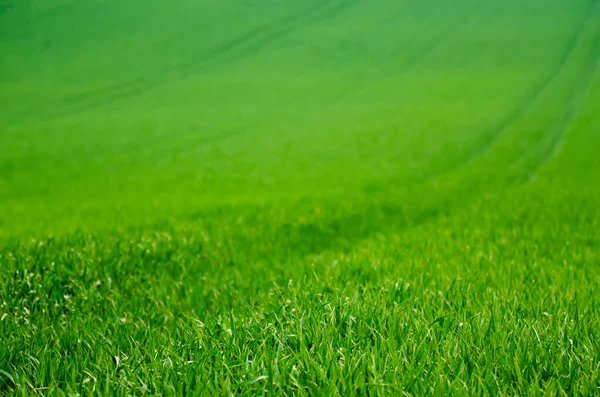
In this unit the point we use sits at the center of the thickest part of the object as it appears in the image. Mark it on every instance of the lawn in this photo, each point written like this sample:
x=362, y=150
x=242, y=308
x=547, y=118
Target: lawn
x=318, y=197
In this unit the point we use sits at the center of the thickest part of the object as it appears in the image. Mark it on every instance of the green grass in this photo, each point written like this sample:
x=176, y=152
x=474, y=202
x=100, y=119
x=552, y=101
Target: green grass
x=331, y=197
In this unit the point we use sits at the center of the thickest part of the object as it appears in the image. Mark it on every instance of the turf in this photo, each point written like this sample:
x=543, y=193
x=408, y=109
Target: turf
x=318, y=197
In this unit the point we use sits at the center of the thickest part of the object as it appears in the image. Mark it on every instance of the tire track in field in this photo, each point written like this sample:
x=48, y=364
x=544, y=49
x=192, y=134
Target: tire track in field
x=233, y=50
x=235, y=131
x=423, y=52
x=205, y=56
x=230, y=51
x=557, y=135
x=550, y=141
x=531, y=100
x=430, y=48
x=322, y=12
x=228, y=133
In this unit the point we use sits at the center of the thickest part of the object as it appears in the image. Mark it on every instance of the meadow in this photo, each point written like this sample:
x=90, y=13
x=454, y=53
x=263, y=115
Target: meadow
x=318, y=197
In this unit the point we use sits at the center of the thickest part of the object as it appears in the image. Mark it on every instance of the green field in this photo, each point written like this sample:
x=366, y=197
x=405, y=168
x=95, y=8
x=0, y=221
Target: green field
x=310, y=197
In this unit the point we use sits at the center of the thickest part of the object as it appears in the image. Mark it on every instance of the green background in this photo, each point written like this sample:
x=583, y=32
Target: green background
x=351, y=196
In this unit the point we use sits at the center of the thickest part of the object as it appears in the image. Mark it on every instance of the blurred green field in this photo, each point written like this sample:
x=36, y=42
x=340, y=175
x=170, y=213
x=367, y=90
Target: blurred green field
x=337, y=197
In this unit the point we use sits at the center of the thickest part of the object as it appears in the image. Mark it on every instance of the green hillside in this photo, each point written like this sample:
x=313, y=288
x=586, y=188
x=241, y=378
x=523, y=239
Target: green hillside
x=337, y=197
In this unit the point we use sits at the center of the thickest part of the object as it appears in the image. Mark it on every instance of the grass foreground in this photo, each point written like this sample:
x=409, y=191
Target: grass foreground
x=319, y=197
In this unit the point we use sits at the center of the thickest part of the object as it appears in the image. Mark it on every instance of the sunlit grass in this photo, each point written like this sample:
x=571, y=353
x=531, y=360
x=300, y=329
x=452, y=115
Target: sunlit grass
x=326, y=197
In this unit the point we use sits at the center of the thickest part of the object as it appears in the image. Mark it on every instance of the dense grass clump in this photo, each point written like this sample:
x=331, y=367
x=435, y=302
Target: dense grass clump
x=333, y=197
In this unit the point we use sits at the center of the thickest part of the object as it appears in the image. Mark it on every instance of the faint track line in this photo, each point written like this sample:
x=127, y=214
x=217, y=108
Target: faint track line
x=320, y=10
x=252, y=40
x=532, y=99
x=235, y=131
x=234, y=50
x=535, y=96
x=580, y=93
x=431, y=47
x=559, y=133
